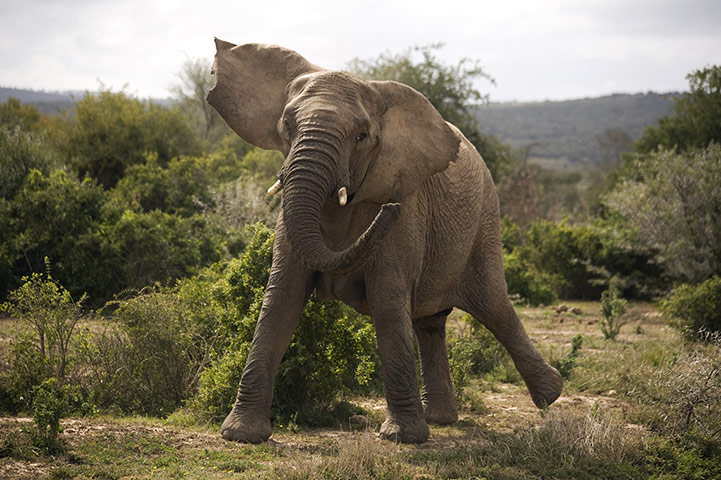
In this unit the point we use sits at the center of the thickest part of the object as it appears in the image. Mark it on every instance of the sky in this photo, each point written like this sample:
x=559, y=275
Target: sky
x=535, y=50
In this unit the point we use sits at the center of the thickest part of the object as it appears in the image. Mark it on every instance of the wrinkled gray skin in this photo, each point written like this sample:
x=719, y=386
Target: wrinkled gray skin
x=419, y=235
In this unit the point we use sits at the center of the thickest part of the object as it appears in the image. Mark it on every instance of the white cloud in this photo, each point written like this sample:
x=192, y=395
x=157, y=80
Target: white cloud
x=535, y=50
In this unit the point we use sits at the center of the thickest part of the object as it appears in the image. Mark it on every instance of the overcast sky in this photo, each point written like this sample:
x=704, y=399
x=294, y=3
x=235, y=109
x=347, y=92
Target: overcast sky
x=534, y=49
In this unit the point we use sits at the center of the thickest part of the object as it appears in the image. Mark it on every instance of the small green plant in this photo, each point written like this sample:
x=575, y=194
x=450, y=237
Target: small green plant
x=567, y=363
x=613, y=307
x=49, y=406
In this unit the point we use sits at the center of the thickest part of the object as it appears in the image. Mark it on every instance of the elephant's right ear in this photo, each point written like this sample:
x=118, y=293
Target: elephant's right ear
x=250, y=88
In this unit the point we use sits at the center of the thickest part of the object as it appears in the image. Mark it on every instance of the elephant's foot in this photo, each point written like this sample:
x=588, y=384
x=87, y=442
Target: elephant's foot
x=415, y=431
x=545, y=386
x=440, y=409
x=245, y=428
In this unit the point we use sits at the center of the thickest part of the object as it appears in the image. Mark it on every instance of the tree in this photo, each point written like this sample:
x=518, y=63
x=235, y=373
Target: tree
x=450, y=88
x=112, y=131
x=59, y=217
x=697, y=121
x=671, y=199
x=195, y=83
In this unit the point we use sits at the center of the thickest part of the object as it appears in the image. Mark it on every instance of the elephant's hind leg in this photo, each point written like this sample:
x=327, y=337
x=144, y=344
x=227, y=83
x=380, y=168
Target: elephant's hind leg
x=485, y=296
x=438, y=397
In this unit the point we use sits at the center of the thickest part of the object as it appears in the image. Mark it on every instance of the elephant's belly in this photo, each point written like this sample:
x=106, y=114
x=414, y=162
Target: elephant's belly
x=349, y=290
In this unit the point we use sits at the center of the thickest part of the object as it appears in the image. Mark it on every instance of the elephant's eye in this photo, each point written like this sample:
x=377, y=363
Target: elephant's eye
x=361, y=137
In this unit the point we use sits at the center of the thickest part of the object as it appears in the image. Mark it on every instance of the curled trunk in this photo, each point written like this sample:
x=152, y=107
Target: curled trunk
x=307, y=187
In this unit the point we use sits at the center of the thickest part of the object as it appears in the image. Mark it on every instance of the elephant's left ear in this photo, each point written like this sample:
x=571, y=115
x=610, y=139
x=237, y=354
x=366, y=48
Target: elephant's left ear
x=416, y=143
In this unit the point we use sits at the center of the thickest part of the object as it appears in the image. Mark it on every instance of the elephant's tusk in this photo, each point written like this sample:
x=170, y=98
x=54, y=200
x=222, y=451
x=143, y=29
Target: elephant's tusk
x=342, y=196
x=275, y=188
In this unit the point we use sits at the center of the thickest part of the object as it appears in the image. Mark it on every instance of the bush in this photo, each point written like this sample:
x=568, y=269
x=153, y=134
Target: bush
x=670, y=201
x=573, y=261
x=158, y=247
x=49, y=406
x=150, y=360
x=695, y=308
x=332, y=351
x=532, y=287
x=58, y=217
x=110, y=132
x=476, y=352
x=47, y=311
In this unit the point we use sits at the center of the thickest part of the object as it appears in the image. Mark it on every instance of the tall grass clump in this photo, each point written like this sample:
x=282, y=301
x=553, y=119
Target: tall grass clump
x=362, y=457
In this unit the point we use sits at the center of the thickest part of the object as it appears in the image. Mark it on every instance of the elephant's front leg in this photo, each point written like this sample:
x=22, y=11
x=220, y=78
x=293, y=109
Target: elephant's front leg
x=439, y=399
x=405, y=421
x=288, y=289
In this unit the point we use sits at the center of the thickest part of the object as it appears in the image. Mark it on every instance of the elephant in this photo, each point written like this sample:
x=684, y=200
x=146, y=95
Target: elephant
x=384, y=206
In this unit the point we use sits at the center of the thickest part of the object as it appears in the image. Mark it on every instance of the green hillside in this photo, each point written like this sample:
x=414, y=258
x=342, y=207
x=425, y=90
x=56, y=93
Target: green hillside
x=568, y=131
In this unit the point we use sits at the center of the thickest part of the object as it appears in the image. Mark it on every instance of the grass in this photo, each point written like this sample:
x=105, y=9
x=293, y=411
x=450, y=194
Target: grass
x=646, y=405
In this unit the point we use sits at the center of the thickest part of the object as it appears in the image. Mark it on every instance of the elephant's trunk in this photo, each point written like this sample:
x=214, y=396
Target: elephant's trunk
x=307, y=185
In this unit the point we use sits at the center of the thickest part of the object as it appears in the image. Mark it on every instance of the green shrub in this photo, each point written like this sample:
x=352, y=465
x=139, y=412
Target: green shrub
x=218, y=385
x=49, y=406
x=50, y=317
x=475, y=352
x=58, y=217
x=149, y=361
x=695, y=308
x=331, y=353
x=110, y=132
x=577, y=261
x=158, y=247
x=525, y=282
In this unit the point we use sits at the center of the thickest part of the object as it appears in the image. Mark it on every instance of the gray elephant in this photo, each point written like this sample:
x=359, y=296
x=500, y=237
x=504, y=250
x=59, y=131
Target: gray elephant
x=386, y=207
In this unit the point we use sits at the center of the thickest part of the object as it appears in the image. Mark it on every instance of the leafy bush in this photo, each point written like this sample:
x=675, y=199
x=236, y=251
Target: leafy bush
x=159, y=247
x=332, y=351
x=150, y=360
x=109, y=132
x=573, y=261
x=475, y=352
x=531, y=286
x=670, y=201
x=47, y=311
x=695, y=308
x=20, y=153
x=49, y=406
x=58, y=217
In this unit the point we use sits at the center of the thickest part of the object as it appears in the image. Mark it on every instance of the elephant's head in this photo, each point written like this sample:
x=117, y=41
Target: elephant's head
x=345, y=140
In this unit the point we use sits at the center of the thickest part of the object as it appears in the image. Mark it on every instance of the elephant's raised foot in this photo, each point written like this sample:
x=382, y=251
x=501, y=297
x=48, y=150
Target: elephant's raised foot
x=414, y=432
x=245, y=428
x=545, y=387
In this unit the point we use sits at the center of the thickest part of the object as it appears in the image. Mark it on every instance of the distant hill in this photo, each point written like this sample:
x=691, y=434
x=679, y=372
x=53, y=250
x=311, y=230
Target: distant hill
x=561, y=133
x=46, y=102
x=564, y=133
